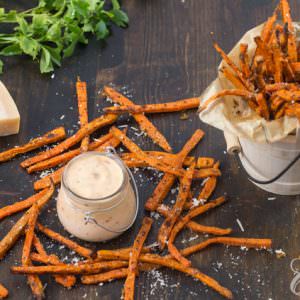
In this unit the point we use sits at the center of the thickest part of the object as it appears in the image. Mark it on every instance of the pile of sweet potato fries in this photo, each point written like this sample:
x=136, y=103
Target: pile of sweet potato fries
x=107, y=265
x=269, y=81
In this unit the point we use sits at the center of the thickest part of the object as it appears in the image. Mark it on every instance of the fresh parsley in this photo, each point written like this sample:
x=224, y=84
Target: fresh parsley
x=50, y=31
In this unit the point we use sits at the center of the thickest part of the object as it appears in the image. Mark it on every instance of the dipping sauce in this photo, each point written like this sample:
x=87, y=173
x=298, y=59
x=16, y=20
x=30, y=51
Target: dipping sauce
x=96, y=201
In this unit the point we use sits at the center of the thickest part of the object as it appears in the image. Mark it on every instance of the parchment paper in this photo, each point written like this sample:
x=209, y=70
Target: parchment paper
x=232, y=114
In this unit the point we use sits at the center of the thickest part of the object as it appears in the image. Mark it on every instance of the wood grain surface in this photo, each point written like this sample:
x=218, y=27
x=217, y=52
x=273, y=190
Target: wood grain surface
x=165, y=54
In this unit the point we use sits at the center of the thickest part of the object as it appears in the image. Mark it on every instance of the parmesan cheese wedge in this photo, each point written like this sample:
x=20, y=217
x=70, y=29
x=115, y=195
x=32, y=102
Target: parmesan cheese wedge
x=9, y=114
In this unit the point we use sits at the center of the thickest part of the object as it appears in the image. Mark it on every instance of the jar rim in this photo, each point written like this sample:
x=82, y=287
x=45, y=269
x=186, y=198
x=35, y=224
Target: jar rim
x=101, y=199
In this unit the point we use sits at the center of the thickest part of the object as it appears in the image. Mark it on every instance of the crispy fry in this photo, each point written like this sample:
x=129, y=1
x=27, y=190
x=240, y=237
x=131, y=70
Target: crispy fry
x=277, y=58
x=33, y=280
x=205, y=162
x=204, y=173
x=288, y=71
x=289, y=95
x=67, y=156
x=268, y=28
x=132, y=160
x=145, y=124
x=151, y=161
x=12, y=236
x=286, y=16
x=230, y=241
x=296, y=67
x=134, y=256
x=172, y=264
x=105, y=277
x=240, y=93
x=34, y=212
x=50, y=137
x=265, y=52
x=21, y=205
x=182, y=222
x=65, y=280
x=174, y=214
x=233, y=66
x=88, y=268
x=164, y=210
x=179, y=105
x=235, y=81
x=274, y=87
x=263, y=109
x=259, y=72
x=244, y=60
x=82, y=99
x=207, y=190
x=71, y=141
x=280, y=112
x=162, y=189
x=85, y=252
x=3, y=291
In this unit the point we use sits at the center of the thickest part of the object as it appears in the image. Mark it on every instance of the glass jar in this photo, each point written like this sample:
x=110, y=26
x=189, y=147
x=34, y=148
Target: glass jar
x=98, y=199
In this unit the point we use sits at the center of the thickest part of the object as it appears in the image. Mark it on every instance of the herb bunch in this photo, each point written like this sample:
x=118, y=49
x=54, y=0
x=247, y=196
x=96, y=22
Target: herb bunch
x=50, y=31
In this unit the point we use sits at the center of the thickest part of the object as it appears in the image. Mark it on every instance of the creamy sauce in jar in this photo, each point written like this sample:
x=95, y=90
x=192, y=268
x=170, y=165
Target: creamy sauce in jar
x=96, y=201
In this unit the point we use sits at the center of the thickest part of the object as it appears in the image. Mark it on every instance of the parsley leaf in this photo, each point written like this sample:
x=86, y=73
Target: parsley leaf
x=51, y=30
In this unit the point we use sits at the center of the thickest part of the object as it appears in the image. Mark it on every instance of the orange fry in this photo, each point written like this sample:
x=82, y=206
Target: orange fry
x=182, y=222
x=134, y=256
x=174, y=214
x=21, y=205
x=235, y=81
x=286, y=16
x=65, y=280
x=85, y=252
x=82, y=98
x=179, y=105
x=268, y=27
x=240, y=93
x=49, y=138
x=105, y=277
x=244, y=60
x=12, y=236
x=151, y=161
x=164, y=186
x=145, y=124
x=71, y=141
x=67, y=156
x=194, y=226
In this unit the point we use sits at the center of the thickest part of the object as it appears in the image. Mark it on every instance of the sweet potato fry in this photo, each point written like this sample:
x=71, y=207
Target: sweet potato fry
x=182, y=222
x=296, y=67
x=3, y=291
x=65, y=280
x=82, y=99
x=233, y=66
x=286, y=16
x=85, y=252
x=12, y=236
x=33, y=280
x=50, y=137
x=164, y=210
x=71, y=141
x=174, y=214
x=274, y=87
x=89, y=268
x=288, y=96
x=204, y=173
x=268, y=28
x=235, y=81
x=151, y=161
x=21, y=205
x=277, y=58
x=105, y=277
x=34, y=212
x=240, y=93
x=288, y=71
x=145, y=124
x=207, y=190
x=172, y=264
x=264, y=51
x=263, y=109
x=131, y=160
x=260, y=72
x=179, y=105
x=134, y=256
x=168, y=180
x=244, y=60
x=205, y=162
x=67, y=156
x=230, y=241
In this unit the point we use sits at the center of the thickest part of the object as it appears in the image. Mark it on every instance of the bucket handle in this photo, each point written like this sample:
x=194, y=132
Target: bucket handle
x=234, y=148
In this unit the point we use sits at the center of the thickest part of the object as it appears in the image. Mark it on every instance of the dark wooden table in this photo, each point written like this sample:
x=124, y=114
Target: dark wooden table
x=165, y=54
